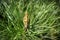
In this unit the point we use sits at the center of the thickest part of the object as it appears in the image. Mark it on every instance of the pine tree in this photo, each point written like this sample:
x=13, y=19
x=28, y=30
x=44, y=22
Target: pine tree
x=42, y=23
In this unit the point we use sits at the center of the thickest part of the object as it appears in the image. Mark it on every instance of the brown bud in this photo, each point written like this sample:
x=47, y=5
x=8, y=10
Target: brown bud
x=25, y=20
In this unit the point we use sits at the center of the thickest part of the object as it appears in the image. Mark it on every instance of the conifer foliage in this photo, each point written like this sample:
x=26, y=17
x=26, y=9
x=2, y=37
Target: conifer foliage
x=42, y=23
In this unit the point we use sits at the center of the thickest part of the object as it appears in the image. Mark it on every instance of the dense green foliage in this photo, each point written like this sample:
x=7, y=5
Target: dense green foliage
x=44, y=19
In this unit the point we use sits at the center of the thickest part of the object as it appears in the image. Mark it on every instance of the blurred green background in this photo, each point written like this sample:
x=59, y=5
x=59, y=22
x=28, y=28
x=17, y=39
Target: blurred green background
x=44, y=19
